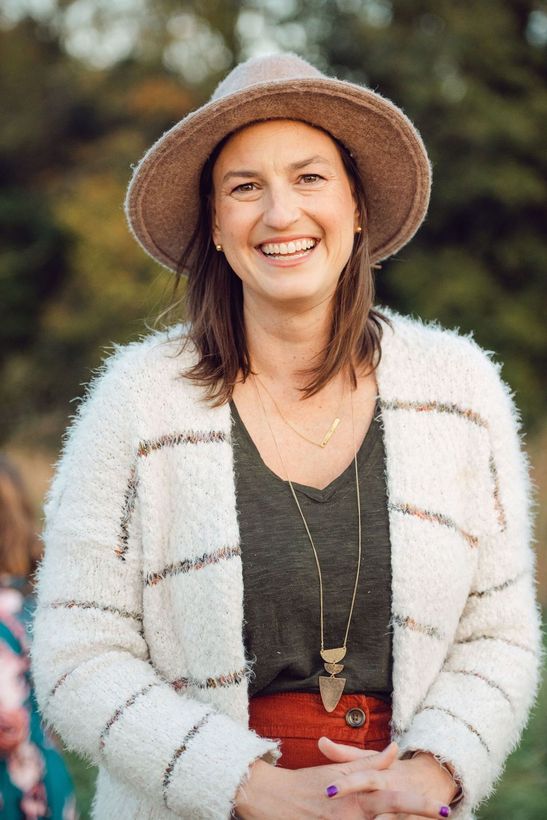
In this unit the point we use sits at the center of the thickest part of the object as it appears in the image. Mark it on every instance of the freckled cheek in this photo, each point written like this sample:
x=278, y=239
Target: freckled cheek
x=236, y=231
x=339, y=234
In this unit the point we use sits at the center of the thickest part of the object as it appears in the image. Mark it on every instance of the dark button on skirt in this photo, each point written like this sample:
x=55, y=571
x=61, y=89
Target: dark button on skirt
x=355, y=718
x=298, y=720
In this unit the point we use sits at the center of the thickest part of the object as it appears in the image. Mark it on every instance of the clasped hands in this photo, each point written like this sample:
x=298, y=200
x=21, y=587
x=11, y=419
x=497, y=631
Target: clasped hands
x=367, y=786
x=412, y=788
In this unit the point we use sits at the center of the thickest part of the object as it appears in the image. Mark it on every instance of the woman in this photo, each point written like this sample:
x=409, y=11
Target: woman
x=34, y=782
x=293, y=486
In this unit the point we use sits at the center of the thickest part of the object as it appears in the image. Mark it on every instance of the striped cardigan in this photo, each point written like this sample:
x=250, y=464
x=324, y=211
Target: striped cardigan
x=138, y=654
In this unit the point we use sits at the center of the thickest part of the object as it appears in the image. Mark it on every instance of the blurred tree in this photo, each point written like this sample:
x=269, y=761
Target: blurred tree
x=34, y=115
x=72, y=278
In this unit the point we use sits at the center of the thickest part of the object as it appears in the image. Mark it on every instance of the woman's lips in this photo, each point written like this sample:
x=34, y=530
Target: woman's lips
x=289, y=259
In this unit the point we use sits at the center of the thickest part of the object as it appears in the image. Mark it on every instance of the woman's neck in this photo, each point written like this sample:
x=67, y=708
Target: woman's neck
x=281, y=345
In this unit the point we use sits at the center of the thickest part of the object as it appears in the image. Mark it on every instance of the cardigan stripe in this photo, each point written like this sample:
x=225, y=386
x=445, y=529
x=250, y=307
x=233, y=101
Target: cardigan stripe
x=437, y=407
x=61, y=680
x=502, y=520
x=173, y=439
x=460, y=719
x=205, y=560
x=67, y=674
x=425, y=629
x=229, y=679
x=120, y=711
x=486, y=680
x=112, y=610
x=129, y=500
x=435, y=517
x=502, y=640
x=500, y=587
x=181, y=749
x=180, y=684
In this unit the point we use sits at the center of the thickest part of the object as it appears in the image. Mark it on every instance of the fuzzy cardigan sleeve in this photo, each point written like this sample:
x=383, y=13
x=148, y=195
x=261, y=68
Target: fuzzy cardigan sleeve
x=474, y=712
x=91, y=667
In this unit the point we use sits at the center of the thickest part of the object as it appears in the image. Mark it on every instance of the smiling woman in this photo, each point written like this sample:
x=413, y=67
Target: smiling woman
x=288, y=569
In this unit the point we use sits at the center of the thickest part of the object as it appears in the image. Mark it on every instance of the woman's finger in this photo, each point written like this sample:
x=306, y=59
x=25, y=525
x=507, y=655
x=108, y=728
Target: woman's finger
x=342, y=753
x=360, y=780
x=408, y=804
x=391, y=816
x=375, y=799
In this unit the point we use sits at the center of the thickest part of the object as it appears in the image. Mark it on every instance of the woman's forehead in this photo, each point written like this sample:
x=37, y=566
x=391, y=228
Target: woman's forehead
x=292, y=138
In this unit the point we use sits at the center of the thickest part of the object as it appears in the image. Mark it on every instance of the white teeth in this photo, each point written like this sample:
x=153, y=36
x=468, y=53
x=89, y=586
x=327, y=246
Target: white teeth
x=284, y=248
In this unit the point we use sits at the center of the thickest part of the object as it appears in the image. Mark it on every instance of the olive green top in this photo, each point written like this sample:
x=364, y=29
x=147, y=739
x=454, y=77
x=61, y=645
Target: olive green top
x=281, y=585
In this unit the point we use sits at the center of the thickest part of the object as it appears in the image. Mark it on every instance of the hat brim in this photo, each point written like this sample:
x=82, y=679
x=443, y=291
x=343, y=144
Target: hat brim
x=162, y=203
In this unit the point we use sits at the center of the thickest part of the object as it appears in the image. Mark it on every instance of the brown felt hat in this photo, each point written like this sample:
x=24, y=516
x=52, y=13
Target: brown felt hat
x=162, y=202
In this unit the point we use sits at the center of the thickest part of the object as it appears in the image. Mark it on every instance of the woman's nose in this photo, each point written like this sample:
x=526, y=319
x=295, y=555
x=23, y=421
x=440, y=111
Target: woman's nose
x=280, y=208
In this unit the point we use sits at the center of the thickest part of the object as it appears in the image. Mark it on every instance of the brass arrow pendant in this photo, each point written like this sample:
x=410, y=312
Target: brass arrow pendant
x=330, y=689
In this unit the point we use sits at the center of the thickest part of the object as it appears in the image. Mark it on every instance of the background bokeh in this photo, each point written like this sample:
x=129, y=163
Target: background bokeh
x=87, y=85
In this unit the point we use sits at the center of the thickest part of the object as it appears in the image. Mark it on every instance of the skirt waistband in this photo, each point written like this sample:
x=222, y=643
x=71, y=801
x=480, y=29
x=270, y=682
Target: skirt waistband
x=299, y=719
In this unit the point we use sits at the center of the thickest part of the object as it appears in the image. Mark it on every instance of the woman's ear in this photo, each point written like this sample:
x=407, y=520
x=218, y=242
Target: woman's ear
x=356, y=212
x=215, y=230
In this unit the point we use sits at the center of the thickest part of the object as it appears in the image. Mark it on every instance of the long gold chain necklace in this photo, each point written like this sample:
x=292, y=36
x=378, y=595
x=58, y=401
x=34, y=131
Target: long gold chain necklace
x=330, y=687
x=328, y=435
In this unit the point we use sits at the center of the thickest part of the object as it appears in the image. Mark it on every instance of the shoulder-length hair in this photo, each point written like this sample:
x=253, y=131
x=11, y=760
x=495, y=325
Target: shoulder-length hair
x=213, y=304
x=20, y=546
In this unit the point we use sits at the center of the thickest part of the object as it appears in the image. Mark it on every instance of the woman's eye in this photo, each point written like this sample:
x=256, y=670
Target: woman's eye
x=308, y=178
x=244, y=188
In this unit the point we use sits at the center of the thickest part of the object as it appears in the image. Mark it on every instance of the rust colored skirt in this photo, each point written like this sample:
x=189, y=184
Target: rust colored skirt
x=298, y=720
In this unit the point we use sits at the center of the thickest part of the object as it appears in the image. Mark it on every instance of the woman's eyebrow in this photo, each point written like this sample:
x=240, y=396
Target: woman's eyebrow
x=294, y=166
x=245, y=174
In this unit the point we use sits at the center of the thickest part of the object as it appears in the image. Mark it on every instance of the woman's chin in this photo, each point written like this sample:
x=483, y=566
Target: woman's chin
x=291, y=287
x=293, y=295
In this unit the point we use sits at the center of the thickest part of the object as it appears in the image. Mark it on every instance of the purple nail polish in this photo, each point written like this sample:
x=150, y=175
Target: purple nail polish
x=444, y=811
x=331, y=791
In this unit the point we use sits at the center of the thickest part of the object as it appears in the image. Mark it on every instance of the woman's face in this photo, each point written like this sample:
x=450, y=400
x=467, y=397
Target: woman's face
x=283, y=211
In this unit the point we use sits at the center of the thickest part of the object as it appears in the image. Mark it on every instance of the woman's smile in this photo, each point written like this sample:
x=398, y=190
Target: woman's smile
x=287, y=252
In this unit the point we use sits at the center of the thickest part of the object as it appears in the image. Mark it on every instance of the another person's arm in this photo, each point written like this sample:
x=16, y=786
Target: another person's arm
x=14, y=716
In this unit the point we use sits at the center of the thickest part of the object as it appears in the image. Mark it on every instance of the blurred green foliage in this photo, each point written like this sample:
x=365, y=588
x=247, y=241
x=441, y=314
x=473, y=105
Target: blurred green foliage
x=76, y=114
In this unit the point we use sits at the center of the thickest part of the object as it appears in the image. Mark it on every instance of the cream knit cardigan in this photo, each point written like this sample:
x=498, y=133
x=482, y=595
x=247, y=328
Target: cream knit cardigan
x=138, y=655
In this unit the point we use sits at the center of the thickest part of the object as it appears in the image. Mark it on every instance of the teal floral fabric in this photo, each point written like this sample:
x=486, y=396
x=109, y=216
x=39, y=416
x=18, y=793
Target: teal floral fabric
x=34, y=782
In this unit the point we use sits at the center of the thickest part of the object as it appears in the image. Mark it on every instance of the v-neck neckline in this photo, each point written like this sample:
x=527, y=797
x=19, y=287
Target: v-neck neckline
x=314, y=493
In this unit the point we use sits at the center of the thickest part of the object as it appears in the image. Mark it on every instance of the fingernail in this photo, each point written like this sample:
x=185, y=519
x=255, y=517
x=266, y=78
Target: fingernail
x=332, y=791
x=444, y=811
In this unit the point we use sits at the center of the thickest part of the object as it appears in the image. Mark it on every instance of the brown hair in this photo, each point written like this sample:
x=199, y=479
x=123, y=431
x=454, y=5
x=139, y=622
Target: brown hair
x=20, y=546
x=214, y=303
